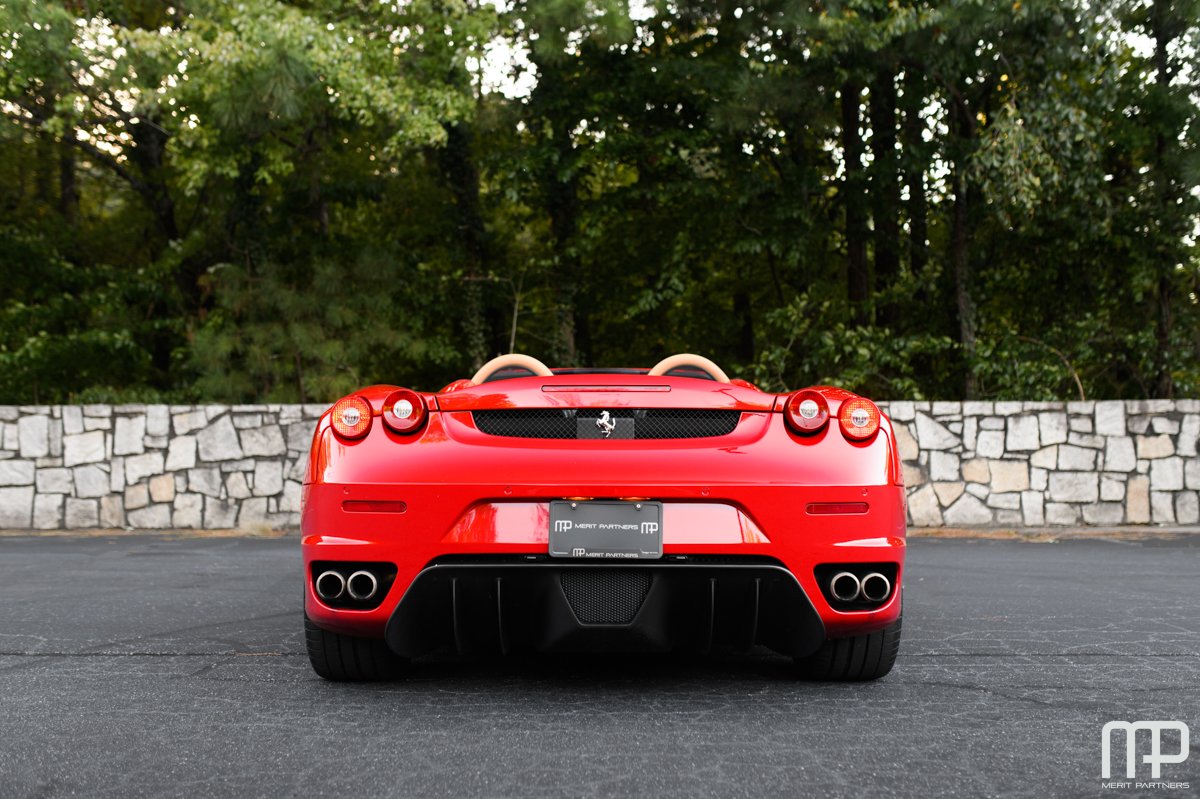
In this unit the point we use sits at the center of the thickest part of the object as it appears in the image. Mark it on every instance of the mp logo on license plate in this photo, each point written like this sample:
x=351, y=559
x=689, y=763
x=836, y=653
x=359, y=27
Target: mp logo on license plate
x=609, y=530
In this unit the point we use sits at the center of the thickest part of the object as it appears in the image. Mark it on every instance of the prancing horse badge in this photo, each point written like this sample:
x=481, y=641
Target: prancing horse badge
x=606, y=423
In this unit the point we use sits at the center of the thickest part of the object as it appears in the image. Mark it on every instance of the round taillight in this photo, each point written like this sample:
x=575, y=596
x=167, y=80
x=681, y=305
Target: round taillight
x=807, y=412
x=859, y=418
x=351, y=417
x=404, y=411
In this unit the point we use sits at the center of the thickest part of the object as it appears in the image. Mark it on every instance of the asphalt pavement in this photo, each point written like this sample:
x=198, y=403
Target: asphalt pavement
x=151, y=665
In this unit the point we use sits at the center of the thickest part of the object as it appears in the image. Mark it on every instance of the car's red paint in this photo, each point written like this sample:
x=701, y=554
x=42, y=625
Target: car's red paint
x=452, y=489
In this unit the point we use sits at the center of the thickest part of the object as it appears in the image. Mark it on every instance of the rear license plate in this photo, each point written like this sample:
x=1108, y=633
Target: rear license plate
x=607, y=530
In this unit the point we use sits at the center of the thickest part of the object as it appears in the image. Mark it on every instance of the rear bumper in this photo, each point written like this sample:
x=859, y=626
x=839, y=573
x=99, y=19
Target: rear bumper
x=506, y=605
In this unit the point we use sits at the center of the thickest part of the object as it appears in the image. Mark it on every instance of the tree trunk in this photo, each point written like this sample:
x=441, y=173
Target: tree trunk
x=858, y=278
x=1166, y=188
x=462, y=178
x=885, y=193
x=915, y=162
x=960, y=248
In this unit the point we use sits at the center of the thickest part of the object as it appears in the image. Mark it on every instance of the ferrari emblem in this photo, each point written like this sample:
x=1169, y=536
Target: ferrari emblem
x=606, y=423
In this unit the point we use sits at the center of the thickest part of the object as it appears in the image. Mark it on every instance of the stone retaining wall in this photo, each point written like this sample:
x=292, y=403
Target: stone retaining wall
x=966, y=464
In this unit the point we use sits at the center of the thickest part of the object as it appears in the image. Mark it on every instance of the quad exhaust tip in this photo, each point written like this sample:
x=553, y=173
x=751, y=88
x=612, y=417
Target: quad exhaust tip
x=845, y=587
x=848, y=587
x=875, y=587
x=362, y=585
x=331, y=585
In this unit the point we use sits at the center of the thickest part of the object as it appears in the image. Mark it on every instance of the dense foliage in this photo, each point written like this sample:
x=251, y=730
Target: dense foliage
x=268, y=200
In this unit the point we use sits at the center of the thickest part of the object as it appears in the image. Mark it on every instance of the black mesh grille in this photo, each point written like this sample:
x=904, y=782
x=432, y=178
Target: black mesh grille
x=650, y=423
x=605, y=596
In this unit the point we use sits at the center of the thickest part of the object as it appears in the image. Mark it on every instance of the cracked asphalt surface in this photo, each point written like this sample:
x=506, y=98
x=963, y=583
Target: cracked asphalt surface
x=149, y=665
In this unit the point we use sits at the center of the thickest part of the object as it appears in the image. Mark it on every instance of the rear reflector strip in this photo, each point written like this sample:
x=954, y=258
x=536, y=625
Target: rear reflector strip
x=373, y=506
x=836, y=508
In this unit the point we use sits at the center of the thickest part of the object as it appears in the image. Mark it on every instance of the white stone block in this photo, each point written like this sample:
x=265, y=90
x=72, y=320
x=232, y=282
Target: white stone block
x=47, y=511
x=944, y=466
x=54, y=481
x=1161, y=424
x=1112, y=487
x=219, y=514
x=151, y=517
x=158, y=420
x=72, y=419
x=1053, y=427
x=1110, y=418
x=990, y=444
x=1039, y=479
x=268, y=478
x=188, y=421
x=84, y=448
x=1187, y=509
x=1077, y=459
x=128, y=438
x=1166, y=474
x=1189, y=436
x=96, y=423
x=1058, y=513
x=16, y=473
x=1162, y=507
x=91, y=482
x=922, y=507
x=138, y=467
x=253, y=513
x=33, y=436
x=976, y=471
x=1006, y=501
x=1074, y=487
x=906, y=445
x=289, y=501
x=16, y=507
x=236, y=486
x=205, y=481
x=81, y=513
x=1118, y=454
x=181, y=454
x=219, y=441
x=116, y=478
x=188, y=511
x=1080, y=424
x=263, y=441
x=1103, y=513
x=1022, y=434
x=1191, y=473
x=968, y=512
x=932, y=435
x=1033, y=511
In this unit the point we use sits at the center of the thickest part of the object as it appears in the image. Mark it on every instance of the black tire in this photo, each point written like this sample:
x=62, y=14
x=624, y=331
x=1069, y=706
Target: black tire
x=853, y=659
x=348, y=658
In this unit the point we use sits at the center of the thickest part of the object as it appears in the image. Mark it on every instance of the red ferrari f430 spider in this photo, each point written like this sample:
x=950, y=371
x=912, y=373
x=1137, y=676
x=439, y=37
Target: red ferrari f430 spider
x=530, y=509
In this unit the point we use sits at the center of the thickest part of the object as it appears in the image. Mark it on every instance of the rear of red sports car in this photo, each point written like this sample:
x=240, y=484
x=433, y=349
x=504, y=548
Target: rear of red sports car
x=624, y=511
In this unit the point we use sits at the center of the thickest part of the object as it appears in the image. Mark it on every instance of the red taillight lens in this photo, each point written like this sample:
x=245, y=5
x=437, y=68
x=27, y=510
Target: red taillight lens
x=352, y=417
x=404, y=411
x=807, y=412
x=859, y=419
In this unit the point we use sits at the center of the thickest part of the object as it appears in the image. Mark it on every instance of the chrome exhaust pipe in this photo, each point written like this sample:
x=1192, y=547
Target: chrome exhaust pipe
x=876, y=587
x=362, y=585
x=845, y=587
x=330, y=585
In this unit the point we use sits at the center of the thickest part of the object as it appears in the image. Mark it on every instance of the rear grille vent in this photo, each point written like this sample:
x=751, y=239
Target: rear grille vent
x=566, y=422
x=605, y=596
